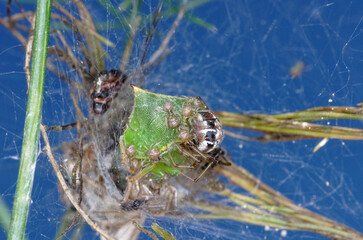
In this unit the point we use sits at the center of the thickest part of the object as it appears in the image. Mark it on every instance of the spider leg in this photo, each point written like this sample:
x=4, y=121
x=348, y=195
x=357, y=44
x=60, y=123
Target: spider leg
x=187, y=154
x=198, y=151
x=127, y=193
x=140, y=174
x=177, y=165
x=222, y=160
x=75, y=173
x=124, y=156
x=204, y=171
x=179, y=170
x=62, y=127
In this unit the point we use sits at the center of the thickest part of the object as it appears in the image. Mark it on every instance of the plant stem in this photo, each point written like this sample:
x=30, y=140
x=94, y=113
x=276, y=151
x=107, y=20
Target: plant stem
x=32, y=121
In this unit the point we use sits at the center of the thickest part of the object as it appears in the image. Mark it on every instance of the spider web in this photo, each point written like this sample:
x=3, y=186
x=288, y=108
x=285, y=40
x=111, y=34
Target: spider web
x=242, y=67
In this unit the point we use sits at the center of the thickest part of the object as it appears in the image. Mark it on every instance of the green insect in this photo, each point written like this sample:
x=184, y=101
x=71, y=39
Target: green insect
x=167, y=134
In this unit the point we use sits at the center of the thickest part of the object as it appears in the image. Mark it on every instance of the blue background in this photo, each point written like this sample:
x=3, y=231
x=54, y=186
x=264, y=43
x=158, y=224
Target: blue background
x=243, y=67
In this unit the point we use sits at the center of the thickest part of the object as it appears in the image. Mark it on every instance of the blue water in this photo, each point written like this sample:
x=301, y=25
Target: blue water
x=243, y=67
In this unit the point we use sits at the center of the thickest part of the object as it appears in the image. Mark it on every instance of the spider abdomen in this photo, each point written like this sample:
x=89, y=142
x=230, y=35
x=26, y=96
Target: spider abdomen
x=208, y=131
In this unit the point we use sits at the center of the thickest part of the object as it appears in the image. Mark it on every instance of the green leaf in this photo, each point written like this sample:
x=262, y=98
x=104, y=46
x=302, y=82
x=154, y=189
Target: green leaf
x=148, y=128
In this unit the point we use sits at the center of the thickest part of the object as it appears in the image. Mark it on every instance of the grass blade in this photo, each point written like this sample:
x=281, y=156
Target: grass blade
x=4, y=215
x=32, y=122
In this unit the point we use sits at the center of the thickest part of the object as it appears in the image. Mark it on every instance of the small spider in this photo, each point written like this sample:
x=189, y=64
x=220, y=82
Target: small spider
x=134, y=205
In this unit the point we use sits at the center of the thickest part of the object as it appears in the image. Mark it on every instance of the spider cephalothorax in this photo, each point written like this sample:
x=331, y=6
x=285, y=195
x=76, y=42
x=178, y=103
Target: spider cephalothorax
x=106, y=88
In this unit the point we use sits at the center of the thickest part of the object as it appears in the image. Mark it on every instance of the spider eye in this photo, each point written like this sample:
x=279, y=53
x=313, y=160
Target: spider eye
x=105, y=93
x=99, y=108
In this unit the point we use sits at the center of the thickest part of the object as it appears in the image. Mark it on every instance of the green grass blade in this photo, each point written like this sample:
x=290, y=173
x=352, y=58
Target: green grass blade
x=194, y=4
x=264, y=206
x=32, y=121
x=66, y=220
x=162, y=233
x=296, y=125
x=4, y=215
x=324, y=113
x=201, y=22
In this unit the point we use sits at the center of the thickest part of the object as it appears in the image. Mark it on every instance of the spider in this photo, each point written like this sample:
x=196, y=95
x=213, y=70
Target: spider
x=89, y=164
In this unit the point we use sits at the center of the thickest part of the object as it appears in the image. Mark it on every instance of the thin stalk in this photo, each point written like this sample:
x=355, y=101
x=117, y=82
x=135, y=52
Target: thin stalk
x=94, y=47
x=324, y=113
x=32, y=122
x=66, y=220
x=268, y=208
x=294, y=125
